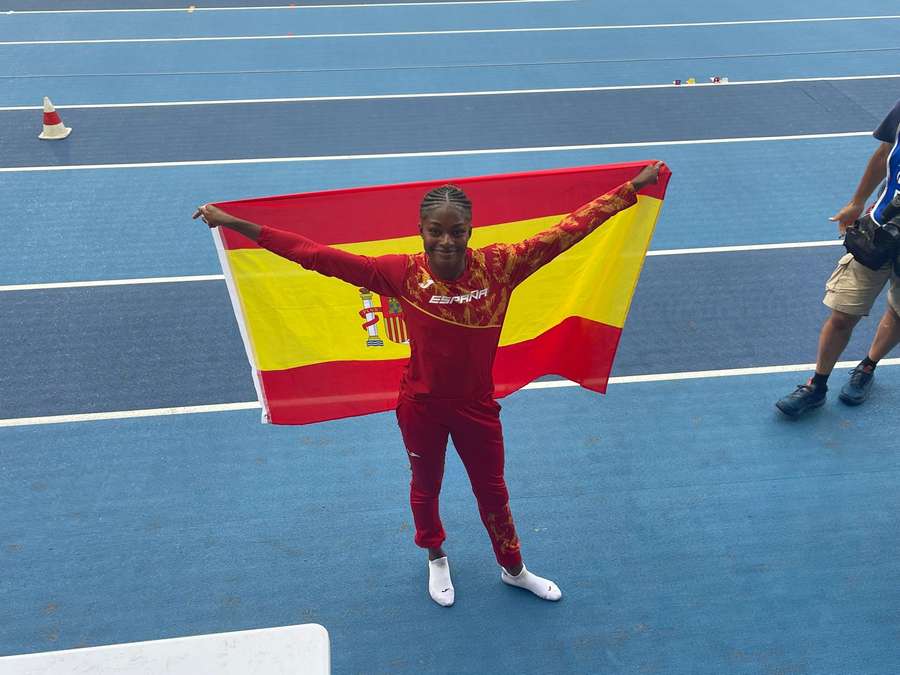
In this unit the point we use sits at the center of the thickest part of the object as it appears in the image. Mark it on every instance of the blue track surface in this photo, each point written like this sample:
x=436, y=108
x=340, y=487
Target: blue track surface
x=341, y=66
x=699, y=10
x=331, y=21
x=691, y=529
x=149, y=346
x=418, y=51
x=311, y=129
x=88, y=225
x=692, y=546
x=202, y=84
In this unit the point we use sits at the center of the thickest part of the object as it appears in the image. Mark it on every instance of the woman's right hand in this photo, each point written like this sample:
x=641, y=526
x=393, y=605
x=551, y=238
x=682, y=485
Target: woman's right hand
x=213, y=216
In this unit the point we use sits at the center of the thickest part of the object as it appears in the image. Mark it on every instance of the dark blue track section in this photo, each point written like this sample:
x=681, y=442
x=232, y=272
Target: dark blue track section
x=116, y=348
x=134, y=347
x=235, y=131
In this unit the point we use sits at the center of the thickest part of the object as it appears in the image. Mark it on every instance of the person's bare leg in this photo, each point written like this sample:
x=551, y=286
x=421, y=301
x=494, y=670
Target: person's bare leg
x=886, y=337
x=833, y=340
x=857, y=388
x=515, y=570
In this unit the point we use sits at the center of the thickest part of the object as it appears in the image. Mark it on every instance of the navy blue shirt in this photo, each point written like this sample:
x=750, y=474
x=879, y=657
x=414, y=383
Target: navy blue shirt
x=887, y=206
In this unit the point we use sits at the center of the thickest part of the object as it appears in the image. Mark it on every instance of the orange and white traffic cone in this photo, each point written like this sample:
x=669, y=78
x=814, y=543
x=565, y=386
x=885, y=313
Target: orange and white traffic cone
x=54, y=129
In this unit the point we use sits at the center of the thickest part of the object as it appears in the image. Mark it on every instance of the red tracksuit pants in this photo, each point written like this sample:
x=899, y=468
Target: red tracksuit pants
x=478, y=437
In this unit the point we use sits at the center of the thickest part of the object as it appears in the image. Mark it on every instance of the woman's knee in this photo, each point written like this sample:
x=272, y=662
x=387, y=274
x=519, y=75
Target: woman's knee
x=491, y=495
x=421, y=491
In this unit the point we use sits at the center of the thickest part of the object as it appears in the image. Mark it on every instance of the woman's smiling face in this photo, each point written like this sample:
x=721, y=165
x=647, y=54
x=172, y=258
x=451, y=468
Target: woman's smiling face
x=445, y=234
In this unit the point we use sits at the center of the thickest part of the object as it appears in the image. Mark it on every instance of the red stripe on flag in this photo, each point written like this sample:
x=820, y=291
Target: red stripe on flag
x=388, y=211
x=327, y=391
x=578, y=349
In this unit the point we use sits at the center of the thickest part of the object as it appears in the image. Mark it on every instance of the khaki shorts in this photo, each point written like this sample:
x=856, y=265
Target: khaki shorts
x=853, y=287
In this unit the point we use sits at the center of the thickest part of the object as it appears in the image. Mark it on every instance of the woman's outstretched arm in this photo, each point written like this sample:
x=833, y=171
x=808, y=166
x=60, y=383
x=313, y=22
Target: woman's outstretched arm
x=383, y=274
x=529, y=255
x=216, y=217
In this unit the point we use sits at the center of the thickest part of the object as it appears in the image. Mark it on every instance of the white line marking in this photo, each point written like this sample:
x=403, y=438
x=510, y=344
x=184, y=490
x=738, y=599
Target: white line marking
x=744, y=247
x=445, y=94
x=129, y=414
x=221, y=277
x=553, y=384
x=186, y=8
x=112, y=282
x=436, y=153
x=421, y=33
x=701, y=374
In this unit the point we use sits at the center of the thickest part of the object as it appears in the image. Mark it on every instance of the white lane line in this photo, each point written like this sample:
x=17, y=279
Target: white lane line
x=435, y=153
x=447, y=94
x=422, y=33
x=743, y=247
x=702, y=374
x=188, y=8
x=128, y=414
x=112, y=282
x=552, y=384
x=221, y=277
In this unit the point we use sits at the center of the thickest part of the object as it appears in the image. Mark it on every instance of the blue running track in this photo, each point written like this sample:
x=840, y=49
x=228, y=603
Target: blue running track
x=691, y=528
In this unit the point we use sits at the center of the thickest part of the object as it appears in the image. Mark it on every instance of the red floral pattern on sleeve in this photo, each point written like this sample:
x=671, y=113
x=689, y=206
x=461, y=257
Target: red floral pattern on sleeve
x=519, y=261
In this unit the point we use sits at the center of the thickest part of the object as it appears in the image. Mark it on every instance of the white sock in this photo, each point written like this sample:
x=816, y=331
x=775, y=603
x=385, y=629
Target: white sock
x=440, y=588
x=543, y=588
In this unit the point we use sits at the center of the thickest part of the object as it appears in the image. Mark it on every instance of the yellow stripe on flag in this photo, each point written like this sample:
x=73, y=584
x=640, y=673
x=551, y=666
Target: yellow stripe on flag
x=595, y=279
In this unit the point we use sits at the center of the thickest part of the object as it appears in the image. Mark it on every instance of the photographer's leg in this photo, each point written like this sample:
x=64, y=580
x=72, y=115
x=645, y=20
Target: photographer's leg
x=849, y=293
x=887, y=336
x=858, y=386
x=833, y=340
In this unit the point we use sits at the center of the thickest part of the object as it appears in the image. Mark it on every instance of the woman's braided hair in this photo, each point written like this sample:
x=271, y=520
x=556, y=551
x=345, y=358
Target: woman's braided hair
x=446, y=195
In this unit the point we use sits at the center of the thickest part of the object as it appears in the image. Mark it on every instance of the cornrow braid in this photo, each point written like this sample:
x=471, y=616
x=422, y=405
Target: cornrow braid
x=446, y=195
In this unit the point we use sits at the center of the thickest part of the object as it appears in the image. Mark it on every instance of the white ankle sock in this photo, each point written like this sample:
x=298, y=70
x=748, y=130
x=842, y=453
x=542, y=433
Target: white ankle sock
x=543, y=588
x=440, y=588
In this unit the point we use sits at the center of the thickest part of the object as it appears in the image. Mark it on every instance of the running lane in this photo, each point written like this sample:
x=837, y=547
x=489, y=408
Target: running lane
x=85, y=350
x=99, y=224
x=381, y=126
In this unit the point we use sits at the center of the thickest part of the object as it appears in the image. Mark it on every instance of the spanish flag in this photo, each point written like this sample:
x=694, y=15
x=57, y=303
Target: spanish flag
x=323, y=349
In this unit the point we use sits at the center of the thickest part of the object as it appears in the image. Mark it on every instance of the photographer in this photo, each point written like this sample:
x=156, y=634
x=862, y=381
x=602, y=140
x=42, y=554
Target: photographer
x=852, y=288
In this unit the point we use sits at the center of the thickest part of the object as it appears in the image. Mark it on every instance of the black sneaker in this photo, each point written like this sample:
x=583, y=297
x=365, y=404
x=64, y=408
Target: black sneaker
x=804, y=397
x=857, y=388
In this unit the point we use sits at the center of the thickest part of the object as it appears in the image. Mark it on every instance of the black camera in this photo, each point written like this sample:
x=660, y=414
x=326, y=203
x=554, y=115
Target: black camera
x=875, y=245
x=888, y=235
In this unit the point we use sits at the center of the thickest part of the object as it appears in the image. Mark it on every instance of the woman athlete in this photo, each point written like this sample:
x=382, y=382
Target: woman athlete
x=454, y=300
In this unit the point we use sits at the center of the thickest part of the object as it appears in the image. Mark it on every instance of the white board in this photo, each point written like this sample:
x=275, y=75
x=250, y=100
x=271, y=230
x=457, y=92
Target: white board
x=285, y=650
